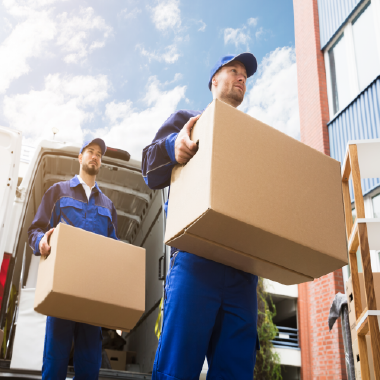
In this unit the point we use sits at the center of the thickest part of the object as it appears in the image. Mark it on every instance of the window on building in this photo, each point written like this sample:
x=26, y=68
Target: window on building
x=366, y=51
x=376, y=206
x=353, y=215
x=339, y=74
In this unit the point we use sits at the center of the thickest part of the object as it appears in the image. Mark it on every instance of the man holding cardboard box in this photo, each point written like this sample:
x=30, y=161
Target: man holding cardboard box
x=210, y=309
x=80, y=203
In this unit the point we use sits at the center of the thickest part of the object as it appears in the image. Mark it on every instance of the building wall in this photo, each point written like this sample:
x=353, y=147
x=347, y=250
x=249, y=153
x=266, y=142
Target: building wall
x=332, y=15
x=360, y=120
x=322, y=351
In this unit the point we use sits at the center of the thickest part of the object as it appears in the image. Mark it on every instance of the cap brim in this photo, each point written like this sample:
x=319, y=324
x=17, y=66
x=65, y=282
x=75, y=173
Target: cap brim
x=248, y=60
x=100, y=142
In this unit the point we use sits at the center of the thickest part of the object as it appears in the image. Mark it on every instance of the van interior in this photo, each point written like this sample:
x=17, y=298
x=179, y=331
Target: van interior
x=140, y=222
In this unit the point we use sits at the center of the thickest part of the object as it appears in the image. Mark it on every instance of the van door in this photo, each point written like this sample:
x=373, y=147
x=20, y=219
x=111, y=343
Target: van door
x=10, y=151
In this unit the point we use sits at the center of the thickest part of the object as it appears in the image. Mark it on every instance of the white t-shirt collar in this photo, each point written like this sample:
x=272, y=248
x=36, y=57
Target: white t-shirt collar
x=86, y=188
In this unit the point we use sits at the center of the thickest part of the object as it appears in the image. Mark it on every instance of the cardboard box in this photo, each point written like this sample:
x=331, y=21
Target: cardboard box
x=258, y=200
x=352, y=319
x=350, y=295
x=355, y=351
x=92, y=279
x=118, y=359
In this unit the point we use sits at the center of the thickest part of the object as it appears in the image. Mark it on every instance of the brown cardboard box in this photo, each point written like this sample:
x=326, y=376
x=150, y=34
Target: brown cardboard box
x=258, y=200
x=355, y=351
x=352, y=319
x=118, y=359
x=350, y=295
x=92, y=279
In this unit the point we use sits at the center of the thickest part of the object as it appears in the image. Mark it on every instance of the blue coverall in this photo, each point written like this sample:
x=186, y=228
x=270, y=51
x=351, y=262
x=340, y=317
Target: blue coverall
x=66, y=202
x=210, y=309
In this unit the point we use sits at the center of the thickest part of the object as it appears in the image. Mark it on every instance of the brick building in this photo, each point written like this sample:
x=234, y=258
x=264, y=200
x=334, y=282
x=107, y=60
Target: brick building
x=338, y=66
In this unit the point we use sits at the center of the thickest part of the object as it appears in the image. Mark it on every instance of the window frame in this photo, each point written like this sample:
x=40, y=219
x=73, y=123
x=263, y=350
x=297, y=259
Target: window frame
x=347, y=33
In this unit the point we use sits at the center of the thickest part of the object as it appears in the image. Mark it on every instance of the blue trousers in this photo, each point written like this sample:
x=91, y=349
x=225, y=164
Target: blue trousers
x=59, y=336
x=210, y=310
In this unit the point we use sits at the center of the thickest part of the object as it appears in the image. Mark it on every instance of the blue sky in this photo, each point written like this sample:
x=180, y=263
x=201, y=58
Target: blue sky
x=118, y=69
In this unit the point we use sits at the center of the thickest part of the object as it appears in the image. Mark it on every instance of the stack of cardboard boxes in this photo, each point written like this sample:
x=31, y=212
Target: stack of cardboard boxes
x=352, y=318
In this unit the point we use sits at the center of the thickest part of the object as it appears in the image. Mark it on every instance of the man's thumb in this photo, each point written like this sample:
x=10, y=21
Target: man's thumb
x=190, y=144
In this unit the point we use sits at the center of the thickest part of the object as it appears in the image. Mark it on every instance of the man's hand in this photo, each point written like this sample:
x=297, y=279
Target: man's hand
x=44, y=245
x=185, y=148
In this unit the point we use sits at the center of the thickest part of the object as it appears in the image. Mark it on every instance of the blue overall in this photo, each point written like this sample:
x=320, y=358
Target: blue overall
x=210, y=309
x=66, y=202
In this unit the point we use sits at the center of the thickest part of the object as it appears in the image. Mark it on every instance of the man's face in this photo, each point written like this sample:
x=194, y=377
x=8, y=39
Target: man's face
x=91, y=159
x=229, y=82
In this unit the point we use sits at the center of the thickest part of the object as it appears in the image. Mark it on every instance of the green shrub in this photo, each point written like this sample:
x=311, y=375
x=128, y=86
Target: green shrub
x=267, y=362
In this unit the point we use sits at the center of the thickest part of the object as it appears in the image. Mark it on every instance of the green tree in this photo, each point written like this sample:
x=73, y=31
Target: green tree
x=267, y=362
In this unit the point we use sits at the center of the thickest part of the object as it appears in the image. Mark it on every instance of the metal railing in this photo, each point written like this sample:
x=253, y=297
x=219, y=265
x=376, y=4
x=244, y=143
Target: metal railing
x=287, y=337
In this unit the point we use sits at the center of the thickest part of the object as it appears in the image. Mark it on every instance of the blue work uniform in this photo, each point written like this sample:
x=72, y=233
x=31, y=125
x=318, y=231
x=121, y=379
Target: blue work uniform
x=210, y=309
x=66, y=202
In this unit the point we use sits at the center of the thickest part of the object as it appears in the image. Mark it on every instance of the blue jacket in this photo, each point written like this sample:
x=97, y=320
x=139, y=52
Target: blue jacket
x=158, y=158
x=66, y=202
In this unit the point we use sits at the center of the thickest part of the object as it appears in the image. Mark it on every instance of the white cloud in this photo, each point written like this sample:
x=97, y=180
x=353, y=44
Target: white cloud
x=252, y=21
x=38, y=27
x=243, y=35
x=239, y=36
x=74, y=34
x=25, y=8
x=259, y=33
x=129, y=14
x=65, y=103
x=6, y=25
x=28, y=39
x=202, y=27
x=131, y=130
x=273, y=99
x=169, y=55
x=166, y=15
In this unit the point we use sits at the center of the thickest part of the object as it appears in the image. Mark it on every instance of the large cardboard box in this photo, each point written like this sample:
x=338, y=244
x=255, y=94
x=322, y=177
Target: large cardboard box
x=92, y=279
x=258, y=200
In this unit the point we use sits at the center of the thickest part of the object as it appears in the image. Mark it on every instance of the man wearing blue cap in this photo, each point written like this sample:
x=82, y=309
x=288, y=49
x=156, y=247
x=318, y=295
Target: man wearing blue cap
x=80, y=203
x=210, y=309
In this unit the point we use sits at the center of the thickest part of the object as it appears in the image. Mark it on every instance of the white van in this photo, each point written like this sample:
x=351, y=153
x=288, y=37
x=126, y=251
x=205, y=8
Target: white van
x=141, y=222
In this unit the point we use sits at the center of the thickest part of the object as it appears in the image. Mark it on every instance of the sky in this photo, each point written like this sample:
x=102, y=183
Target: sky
x=117, y=69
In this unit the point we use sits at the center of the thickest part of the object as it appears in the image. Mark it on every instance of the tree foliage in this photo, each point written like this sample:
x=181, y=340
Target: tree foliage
x=267, y=362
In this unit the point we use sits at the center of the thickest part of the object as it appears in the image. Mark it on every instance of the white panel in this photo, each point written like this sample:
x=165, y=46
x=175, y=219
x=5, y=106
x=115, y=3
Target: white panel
x=29, y=339
x=373, y=228
x=31, y=281
x=289, y=356
x=273, y=287
x=10, y=150
x=369, y=157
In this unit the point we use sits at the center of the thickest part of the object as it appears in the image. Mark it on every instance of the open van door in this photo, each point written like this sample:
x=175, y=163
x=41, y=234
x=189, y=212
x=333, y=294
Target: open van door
x=10, y=151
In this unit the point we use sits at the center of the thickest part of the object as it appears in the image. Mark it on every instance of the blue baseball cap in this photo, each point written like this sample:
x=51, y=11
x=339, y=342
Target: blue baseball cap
x=247, y=59
x=98, y=141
